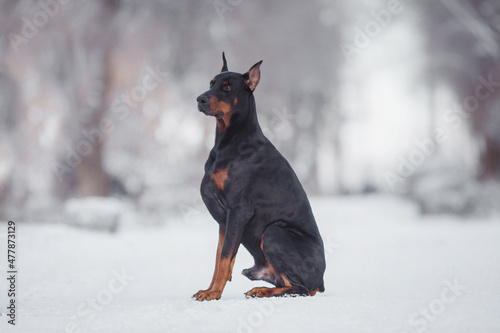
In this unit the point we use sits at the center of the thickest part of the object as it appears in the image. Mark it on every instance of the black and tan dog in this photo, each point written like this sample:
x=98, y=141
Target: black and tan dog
x=255, y=196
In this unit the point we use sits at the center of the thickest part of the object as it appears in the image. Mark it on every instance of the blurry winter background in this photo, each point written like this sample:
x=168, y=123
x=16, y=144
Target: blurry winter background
x=394, y=101
x=98, y=99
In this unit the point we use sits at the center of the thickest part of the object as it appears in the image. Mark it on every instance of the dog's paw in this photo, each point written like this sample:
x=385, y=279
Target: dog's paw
x=259, y=292
x=207, y=295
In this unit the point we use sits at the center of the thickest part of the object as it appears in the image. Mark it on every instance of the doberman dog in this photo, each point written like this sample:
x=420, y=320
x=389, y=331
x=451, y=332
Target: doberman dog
x=253, y=193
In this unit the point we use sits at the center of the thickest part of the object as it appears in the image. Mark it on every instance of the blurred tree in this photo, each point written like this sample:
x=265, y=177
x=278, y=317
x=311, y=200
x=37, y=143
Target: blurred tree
x=9, y=103
x=86, y=74
x=463, y=45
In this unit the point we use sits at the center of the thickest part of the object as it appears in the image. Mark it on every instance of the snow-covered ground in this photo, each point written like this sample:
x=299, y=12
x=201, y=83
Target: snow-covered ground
x=388, y=270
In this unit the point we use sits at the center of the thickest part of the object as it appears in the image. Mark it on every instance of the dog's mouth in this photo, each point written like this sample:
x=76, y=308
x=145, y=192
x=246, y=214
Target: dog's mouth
x=206, y=110
x=203, y=108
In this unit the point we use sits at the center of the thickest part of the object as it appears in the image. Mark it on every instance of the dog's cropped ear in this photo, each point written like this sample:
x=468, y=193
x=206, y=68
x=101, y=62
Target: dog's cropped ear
x=224, y=63
x=252, y=77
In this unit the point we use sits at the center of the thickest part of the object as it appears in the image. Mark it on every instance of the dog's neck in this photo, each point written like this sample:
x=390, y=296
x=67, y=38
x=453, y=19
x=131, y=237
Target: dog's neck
x=240, y=130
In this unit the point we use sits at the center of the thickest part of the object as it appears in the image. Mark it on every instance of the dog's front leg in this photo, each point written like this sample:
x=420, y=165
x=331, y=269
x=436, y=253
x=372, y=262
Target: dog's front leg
x=222, y=233
x=226, y=254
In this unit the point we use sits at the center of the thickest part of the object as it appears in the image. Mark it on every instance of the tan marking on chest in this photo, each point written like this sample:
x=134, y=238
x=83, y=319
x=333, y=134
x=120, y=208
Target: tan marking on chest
x=219, y=177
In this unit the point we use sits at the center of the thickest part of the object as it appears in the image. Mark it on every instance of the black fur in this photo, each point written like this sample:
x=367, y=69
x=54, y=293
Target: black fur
x=262, y=198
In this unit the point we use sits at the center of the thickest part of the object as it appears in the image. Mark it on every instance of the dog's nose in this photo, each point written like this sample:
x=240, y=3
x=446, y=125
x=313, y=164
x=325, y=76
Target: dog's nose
x=202, y=99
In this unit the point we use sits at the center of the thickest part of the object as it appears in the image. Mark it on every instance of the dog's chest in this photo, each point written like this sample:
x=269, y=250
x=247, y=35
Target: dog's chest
x=216, y=179
x=212, y=193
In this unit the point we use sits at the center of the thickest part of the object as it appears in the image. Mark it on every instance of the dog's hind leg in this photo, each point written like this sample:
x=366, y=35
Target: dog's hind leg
x=297, y=258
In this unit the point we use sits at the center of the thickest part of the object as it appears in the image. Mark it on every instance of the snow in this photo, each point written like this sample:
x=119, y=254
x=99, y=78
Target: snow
x=388, y=269
x=96, y=212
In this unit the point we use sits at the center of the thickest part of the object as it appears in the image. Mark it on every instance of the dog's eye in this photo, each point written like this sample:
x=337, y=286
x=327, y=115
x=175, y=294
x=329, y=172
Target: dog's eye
x=226, y=88
x=212, y=83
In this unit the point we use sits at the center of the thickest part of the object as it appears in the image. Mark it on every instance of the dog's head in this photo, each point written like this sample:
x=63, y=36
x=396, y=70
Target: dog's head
x=229, y=94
